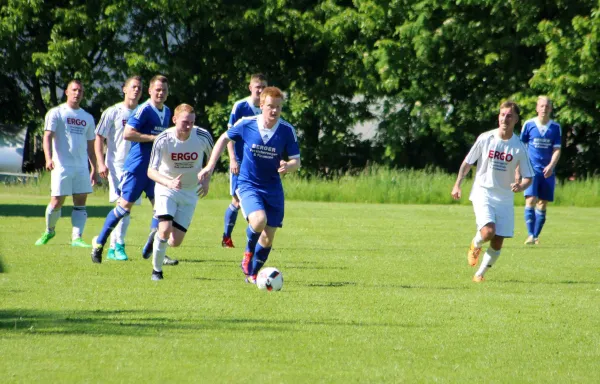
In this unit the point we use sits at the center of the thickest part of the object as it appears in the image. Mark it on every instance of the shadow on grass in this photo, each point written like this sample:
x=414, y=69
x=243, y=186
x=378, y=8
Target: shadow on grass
x=150, y=323
x=25, y=210
x=537, y=282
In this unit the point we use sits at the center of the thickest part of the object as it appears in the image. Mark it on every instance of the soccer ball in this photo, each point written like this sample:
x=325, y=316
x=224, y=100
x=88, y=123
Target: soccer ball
x=270, y=279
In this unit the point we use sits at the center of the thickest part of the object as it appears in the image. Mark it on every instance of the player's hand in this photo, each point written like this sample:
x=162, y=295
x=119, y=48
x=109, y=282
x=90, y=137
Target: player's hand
x=234, y=167
x=103, y=171
x=93, y=178
x=516, y=187
x=204, y=174
x=283, y=167
x=202, y=188
x=456, y=192
x=175, y=183
x=548, y=171
x=49, y=165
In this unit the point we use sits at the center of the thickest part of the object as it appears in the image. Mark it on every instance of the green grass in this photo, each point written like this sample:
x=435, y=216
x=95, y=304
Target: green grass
x=373, y=293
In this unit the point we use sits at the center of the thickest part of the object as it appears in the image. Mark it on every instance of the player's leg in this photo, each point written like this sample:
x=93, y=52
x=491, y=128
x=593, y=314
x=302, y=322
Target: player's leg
x=531, y=194
x=274, y=208
x=165, y=208
x=486, y=230
x=116, y=249
x=504, y=227
x=253, y=209
x=546, y=194
x=130, y=192
x=231, y=213
x=149, y=190
x=82, y=186
x=61, y=186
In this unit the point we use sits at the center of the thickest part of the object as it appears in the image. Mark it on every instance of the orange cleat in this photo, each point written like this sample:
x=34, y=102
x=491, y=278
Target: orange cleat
x=246, y=263
x=478, y=279
x=227, y=242
x=473, y=255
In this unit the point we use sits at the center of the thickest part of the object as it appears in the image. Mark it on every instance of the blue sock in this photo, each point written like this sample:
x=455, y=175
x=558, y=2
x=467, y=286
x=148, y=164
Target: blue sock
x=530, y=220
x=260, y=257
x=540, y=219
x=230, y=217
x=252, y=239
x=147, y=250
x=112, y=219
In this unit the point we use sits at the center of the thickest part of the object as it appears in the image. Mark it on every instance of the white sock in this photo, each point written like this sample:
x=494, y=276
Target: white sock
x=78, y=219
x=52, y=216
x=489, y=258
x=120, y=230
x=478, y=240
x=159, y=252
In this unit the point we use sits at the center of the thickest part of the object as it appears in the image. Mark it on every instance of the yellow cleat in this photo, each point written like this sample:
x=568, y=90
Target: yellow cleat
x=536, y=241
x=473, y=255
x=530, y=240
x=478, y=279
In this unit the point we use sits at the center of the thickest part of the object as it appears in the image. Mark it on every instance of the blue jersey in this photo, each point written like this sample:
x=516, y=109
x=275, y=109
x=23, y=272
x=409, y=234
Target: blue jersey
x=540, y=141
x=150, y=121
x=241, y=108
x=263, y=150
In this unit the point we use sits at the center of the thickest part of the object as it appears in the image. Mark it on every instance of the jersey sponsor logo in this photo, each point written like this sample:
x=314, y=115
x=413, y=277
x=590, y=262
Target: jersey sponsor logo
x=157, y=130
x=187, y=156
x=263, y=151
x=500, y=156
x=74, y=121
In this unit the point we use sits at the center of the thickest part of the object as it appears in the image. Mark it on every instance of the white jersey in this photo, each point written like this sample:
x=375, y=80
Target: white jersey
x=172, y=157
x=496, y=161
x=72, y=128
x=111, y=127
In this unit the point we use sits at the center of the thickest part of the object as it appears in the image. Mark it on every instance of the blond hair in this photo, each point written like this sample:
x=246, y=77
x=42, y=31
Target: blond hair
x=183, y=108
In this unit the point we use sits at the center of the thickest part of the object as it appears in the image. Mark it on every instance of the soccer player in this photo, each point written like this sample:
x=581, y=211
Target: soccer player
x=250, y=106
x=111, y=128
x=266, y=138
x=177, y=157
x=542, y=136
x=150, y=119
x=497, y=153
x=68, y=143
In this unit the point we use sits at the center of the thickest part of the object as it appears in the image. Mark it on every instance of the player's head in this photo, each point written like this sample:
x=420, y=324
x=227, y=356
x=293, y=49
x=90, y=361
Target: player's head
x=543, y=107
x=508, y=116
x=258, y=82
x=159, y=90
x=132, y=88
x=184, y=117
x=74, y=93
x=271, y=100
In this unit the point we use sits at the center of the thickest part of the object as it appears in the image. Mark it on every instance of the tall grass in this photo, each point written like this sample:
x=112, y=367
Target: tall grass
x=373, y=185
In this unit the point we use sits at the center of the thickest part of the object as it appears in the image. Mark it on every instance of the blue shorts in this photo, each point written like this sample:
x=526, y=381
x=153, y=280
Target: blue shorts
x=252, y=200
x=132, y=185
x=541, y=187
x=232, y=183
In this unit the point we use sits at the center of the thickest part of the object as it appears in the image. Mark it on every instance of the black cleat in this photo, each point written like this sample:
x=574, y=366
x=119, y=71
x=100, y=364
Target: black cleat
x=169, y=261
x=156, y=275
x=96, y=251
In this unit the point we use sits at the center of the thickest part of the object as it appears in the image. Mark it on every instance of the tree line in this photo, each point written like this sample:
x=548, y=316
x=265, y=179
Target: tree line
x=431, y=73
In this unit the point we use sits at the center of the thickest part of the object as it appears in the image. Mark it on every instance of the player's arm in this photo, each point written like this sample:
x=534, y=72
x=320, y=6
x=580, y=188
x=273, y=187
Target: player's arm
x=234, y=167
x=164, y=180
x=99, y=150
x=289, y=166
x=131, y=134
x=47, y=144
x=207, y=171
x=92, y=158
x=464, y=170
x=521, y=186
x=549, y=169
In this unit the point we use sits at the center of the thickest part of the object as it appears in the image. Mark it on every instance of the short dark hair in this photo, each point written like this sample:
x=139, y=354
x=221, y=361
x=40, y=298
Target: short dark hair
x=161, y=78
x=76, y=81
x=512, y=105
x=258, y=76
x=130, y=78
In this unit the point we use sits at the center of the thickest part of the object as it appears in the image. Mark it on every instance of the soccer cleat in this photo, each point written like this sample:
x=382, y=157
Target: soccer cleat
x=250, y=279
x=530, y=240
x=78, y=242
x=96, y=251
x=110, y=254
x=156, y=276
x=478, y=279
x=46, y=236
x=473, y=255
x=120, y=252
x=147, y=250
x=227, y=242
x=168, y=261
x=536, y=241
x=245, y=265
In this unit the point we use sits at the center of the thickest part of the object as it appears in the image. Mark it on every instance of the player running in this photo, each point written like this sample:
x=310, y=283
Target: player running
x=266, y=138
x=150, y=119
x=542, y=136
x=110, y=129
x=68, y=143
x=249, y=106
x=497, y=153
x=177, y=156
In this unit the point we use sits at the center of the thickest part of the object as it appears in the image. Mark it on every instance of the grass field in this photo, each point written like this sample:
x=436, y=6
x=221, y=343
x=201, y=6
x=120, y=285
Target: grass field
x=373, y=293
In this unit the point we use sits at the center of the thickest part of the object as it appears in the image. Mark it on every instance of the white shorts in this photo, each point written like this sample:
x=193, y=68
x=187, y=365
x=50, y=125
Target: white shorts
x=114, y=177
x=70, y=181
x=178, y=204
x=502, y=215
